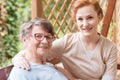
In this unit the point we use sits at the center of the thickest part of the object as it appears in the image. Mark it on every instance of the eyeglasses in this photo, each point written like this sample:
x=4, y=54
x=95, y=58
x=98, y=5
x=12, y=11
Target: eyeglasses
x=40, y=37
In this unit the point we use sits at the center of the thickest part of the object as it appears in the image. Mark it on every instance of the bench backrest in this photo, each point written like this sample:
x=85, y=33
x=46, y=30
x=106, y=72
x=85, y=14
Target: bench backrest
x=4, y=72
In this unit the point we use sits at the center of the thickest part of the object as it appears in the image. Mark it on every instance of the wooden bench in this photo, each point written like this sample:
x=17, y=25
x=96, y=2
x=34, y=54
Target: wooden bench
x=4, y=72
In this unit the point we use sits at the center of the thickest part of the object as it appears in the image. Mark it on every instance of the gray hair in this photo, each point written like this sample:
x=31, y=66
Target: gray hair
x=27, y=27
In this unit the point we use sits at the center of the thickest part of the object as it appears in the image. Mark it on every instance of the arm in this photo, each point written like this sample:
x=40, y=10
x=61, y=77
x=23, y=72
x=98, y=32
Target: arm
x=20, y=61
x=111, y=65
x=66, y=73
x=54, y=61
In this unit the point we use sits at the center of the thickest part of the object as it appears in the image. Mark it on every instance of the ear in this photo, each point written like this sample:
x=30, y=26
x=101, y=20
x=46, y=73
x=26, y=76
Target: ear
x=100, y=17
x=24, y=40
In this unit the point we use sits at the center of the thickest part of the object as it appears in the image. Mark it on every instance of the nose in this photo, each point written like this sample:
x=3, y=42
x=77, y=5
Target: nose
x=85, y=23
x=44, y=40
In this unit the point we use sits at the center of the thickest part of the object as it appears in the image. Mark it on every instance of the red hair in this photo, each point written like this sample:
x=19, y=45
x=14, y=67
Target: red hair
x=81, y=3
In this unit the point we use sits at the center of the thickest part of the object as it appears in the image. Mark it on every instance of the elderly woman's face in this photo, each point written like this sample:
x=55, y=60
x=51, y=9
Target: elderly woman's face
x=39, y=41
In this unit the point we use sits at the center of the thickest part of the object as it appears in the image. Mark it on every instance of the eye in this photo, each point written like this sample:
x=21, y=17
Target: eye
x=80, y=19
x=89, y=17
x=48, y=37
x=38, y=35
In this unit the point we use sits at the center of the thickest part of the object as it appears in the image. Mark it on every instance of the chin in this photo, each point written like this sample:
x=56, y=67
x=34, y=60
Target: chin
x=86, y=33
x=42, y=51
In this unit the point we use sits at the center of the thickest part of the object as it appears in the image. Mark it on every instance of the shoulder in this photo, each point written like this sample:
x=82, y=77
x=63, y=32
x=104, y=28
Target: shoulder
x=68, y=38
x=107, y=43
x=71, y=37
x=18, y=71
x=108, y=47
x=18, y=74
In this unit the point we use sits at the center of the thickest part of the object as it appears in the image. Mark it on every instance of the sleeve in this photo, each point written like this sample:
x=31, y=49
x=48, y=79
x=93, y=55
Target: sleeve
x=58, y=47
x=111, y=65
x=21, y=54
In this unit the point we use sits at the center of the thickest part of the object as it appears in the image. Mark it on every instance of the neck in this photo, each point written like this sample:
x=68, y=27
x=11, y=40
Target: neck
x=90, y=42
x=33, y=57
x=90, y=39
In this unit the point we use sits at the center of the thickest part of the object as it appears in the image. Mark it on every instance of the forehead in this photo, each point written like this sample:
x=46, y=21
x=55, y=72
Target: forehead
x=39, y=29
x=86, y=10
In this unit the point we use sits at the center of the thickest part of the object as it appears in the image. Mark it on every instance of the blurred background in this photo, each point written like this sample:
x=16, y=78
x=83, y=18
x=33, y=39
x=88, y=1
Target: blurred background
x=15, y=12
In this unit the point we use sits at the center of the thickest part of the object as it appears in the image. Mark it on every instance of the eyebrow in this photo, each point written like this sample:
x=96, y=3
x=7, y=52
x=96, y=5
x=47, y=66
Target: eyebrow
x=43, y=34
x=86, y=16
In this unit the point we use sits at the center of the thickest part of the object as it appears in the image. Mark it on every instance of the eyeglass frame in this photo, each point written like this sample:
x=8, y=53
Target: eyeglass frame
x=49, y=38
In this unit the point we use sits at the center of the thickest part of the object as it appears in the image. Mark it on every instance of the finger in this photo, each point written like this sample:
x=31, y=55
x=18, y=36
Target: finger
x=59, y=69
x=22, y=66
x=22, y=63
x=25, y=65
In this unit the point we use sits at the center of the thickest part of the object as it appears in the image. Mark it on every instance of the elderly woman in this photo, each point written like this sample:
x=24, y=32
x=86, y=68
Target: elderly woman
x=37, y=35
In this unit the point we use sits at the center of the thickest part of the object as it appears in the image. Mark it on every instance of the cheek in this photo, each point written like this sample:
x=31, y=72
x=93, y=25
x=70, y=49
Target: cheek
x=50, y=44
x=79, y=24
x=95, y=23
x=33, y=44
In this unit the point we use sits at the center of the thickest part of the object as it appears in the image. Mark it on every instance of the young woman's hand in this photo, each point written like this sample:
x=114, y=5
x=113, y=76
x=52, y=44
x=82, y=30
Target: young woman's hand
x=20, y=61
x=65, y=72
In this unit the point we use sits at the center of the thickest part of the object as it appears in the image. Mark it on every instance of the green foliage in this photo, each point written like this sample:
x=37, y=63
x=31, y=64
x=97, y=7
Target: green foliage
x=5, y=63
x=15, y=14
x=10, y=39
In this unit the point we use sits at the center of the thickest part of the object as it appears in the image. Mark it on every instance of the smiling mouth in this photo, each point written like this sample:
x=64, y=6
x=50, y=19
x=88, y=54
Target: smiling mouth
x=87, y=29
x=43, y=47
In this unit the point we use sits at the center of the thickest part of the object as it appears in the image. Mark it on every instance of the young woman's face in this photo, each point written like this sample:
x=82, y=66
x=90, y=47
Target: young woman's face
x=87, y=20
x=39, y=41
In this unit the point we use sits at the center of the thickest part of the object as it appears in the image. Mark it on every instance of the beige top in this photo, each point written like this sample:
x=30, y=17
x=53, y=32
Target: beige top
x=99, y=64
